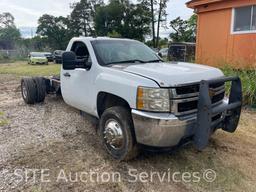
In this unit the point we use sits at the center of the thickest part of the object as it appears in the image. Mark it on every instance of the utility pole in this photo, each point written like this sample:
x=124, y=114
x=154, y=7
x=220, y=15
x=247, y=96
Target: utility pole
x=158, y=22
x=153, y=22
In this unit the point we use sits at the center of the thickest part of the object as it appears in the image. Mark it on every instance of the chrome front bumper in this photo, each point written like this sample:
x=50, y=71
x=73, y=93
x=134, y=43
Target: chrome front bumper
x=167, y=130
x=161, y=129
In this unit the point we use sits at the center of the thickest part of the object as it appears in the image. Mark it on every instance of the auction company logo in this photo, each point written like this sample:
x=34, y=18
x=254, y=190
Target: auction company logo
x=20, y=176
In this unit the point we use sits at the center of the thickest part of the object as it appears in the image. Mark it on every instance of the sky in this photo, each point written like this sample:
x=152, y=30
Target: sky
x=27, y=12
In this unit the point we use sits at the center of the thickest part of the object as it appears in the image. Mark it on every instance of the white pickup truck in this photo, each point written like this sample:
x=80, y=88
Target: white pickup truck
x=140, y=100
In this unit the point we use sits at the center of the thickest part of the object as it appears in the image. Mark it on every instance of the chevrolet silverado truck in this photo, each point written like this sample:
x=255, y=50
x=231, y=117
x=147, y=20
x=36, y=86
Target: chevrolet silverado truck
x=139, y=99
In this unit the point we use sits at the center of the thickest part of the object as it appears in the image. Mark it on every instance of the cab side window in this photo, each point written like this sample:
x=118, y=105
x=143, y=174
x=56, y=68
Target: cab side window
x=81, y=52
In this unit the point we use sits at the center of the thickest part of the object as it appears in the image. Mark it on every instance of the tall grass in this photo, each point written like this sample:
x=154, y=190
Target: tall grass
x=248, y=78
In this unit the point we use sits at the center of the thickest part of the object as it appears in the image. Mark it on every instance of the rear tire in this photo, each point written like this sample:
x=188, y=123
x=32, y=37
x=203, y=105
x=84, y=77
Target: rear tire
x=28, y=90
x=118, y=119
x=40, y=89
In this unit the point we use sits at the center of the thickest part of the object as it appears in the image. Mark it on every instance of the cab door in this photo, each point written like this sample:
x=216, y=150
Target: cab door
x=77, y=84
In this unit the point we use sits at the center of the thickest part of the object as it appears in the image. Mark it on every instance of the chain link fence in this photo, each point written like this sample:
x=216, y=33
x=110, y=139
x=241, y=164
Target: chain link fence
x=11, y=55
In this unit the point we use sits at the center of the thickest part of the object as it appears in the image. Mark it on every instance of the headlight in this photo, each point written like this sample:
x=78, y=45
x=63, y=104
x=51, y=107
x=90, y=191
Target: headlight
x=153, y=99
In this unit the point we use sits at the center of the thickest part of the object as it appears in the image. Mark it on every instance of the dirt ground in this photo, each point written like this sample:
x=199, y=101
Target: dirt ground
x=46, y=147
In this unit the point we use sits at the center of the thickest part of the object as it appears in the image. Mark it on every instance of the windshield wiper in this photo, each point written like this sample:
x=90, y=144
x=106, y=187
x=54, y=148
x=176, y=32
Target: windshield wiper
x=134, y=61
x=154, y=61
x=127, y=61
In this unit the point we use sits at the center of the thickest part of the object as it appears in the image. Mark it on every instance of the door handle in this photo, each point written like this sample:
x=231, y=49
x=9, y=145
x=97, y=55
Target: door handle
x=67, y=75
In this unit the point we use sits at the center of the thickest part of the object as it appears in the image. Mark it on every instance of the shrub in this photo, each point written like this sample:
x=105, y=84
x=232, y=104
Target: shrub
x=248, y=78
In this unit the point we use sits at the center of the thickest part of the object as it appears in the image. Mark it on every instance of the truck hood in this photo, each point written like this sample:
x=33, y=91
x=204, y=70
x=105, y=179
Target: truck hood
x=172, y=74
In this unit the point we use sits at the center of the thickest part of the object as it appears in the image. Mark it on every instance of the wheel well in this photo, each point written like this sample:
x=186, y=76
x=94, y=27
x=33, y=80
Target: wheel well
x=107, y=100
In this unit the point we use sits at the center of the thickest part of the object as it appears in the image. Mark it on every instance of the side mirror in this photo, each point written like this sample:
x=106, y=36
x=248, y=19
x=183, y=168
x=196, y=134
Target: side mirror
x=69, y=60
x=160, y=54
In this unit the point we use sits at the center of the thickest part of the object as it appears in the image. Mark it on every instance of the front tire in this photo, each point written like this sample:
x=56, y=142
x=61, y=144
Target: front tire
x=117, y=133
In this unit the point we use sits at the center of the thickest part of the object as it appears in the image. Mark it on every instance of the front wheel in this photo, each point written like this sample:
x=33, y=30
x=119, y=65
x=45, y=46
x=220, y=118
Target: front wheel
x=117, y=133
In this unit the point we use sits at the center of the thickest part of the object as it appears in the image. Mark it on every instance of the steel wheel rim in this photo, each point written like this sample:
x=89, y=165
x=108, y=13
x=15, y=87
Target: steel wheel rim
x=24, y=91
x=113, y=134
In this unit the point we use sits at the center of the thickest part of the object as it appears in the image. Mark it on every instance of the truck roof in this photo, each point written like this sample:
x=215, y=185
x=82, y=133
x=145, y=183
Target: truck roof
x=82, y=38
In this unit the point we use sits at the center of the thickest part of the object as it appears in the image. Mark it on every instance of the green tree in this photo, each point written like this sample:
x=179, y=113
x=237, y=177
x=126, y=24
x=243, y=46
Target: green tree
x=114, y=34
x=158, y=16
x=192, y=27
x=82, y=17
x=127, y=19
x=6, y=20
x=55, y=29
x=9, y=34
x=136, y=22
x=36, y=43
x=151, y=4
x=162, y=18
x=184, y=30
x=162, y=43
x=109, y=18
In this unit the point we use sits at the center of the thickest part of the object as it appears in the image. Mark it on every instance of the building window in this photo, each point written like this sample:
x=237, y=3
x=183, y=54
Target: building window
x=244, y=19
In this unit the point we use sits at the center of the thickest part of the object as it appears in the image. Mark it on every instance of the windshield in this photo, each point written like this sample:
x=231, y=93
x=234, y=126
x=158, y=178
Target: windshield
x=122, y=51
x=37, y=54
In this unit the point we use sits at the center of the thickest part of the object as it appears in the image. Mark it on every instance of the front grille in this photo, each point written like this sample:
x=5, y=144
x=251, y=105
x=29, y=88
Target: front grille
x=185, y=98
x=187, y=106
x=40, y=60
x=187, y=89
x=218, y=97
x=193, y=90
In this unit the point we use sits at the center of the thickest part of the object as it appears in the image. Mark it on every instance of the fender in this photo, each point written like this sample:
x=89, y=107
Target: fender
x=121, y=84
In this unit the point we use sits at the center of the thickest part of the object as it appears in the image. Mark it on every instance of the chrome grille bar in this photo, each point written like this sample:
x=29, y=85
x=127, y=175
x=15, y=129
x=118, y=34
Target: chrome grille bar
x=177, y=100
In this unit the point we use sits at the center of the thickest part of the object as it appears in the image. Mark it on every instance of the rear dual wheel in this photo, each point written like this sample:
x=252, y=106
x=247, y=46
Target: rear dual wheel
x=40, y=89
x=28, y=90
x=33, y=90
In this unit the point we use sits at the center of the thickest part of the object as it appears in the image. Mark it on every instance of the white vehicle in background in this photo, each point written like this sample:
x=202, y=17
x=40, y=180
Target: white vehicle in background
x=163, y=52
x=139, y=99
